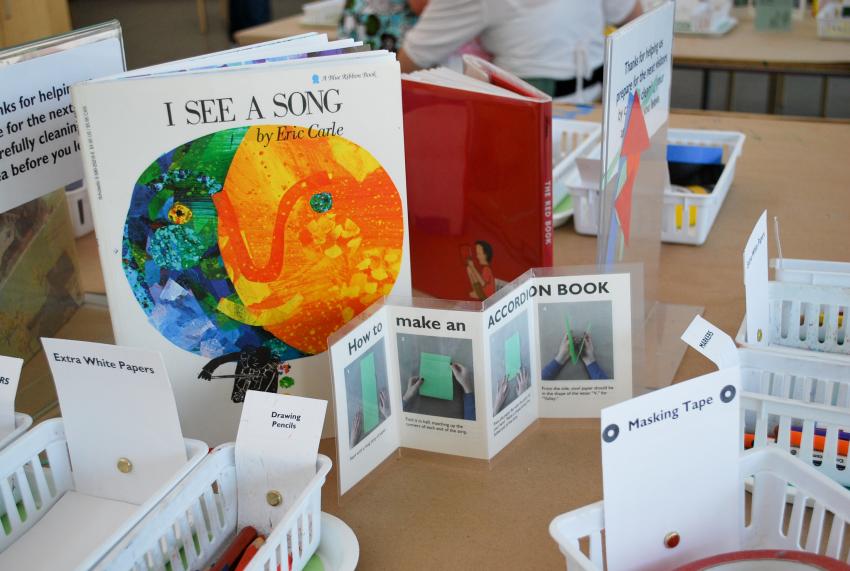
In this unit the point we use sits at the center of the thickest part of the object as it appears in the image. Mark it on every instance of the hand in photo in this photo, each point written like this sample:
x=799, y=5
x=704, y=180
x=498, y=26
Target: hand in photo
x=356, y=429
x=413, y=384
x=522, y=381
x=563, y=350
x=383, y=405
x=462, y=376
x=501, y=394
x=588, y=357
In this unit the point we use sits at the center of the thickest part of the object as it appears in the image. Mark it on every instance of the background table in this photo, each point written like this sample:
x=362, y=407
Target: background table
x=426, y=511
x=799, y=51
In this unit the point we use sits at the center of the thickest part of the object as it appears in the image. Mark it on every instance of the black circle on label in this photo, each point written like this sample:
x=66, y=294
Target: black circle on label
x=611, y=432
x=727, y=393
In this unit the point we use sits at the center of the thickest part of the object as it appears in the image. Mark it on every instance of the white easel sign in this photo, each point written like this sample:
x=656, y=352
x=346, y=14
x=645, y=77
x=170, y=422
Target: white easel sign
x=39, y=146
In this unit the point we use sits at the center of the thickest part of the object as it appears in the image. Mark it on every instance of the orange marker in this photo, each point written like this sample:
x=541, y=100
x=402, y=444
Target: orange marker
x=250, y=552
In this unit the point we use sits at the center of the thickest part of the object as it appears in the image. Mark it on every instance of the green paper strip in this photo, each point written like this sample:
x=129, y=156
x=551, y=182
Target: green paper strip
x=369, y=392
x=437, y=371
x=513, y=360
x=570, y=344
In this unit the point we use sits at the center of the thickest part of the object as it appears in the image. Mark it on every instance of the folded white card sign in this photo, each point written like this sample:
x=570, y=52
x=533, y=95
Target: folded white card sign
x=120, y=418
x=10, y=374
x=755, y=284
x=276, y=449
x=712, y=342
x=670, y=474
x=464, y=380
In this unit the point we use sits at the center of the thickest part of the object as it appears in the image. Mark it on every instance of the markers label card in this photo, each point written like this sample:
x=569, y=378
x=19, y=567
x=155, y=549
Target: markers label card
x=10, y=374
x=466, y=380
x=276, y=450
x=128, y=391
x=683, y=441
x=712, y=342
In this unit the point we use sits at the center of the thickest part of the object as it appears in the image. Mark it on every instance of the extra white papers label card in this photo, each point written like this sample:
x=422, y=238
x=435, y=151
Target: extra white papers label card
x=755, y=283
x=10, y=373
x=712, y=342
x=276, y=449
x=670, y=474
x=120, y=418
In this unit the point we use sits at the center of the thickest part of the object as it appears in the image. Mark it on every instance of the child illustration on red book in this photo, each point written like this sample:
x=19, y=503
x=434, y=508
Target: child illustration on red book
x=480, y=275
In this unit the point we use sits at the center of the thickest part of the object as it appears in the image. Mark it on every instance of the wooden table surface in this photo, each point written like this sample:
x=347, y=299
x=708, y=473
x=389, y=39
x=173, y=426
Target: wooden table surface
x=743, y=48
x=426, y=511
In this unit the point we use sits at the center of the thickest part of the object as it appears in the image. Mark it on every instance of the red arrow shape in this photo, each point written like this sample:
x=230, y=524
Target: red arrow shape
x=635, y=142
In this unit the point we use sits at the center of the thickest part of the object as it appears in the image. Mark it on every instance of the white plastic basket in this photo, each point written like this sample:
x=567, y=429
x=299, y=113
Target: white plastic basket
x=22, y=424
x=36, y=472
x=686, y=218
x=782, y=391
x=570, y=140
x=831, y=25
x=814, y=272
x=198, y=519
x=819, y=531
x=806, y=317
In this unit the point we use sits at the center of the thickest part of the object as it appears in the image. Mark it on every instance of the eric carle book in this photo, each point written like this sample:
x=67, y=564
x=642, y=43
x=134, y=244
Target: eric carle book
x=247, y=204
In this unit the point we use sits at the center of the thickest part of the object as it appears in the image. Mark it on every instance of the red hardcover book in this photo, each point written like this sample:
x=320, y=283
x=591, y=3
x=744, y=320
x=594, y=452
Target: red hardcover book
x=478, y=150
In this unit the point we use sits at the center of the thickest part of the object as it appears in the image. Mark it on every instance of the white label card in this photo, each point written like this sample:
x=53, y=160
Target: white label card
x=670, y=472
x=712, y=342
x=39, y=145
x=116, y=402
x=10, y=374
x=276, y=449
x=755, y=284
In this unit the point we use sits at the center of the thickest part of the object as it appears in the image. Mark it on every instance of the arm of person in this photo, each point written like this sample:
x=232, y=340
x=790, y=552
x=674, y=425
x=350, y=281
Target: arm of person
x=551, y=370
x=595, y=371
x=621, y=12
x=443, y=27
x=469, y=406
x=557, y=363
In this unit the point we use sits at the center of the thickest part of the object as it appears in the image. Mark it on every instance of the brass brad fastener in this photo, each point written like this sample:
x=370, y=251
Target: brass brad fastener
x=274, y=498
x=125, y=466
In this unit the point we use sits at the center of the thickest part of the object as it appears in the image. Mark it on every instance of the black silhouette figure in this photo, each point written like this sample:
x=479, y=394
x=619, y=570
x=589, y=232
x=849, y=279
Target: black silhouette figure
x=256, y=370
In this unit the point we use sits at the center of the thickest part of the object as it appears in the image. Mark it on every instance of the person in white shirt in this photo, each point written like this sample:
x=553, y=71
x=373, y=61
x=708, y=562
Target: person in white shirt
x=556, y=45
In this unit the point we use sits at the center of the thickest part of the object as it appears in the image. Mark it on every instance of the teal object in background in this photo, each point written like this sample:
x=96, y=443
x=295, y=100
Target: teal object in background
x=774, y=15
x=437, y=371
x=369, y=393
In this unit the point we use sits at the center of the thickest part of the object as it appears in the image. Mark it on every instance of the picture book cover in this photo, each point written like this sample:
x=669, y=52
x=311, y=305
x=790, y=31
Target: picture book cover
x=479, y=177
x=245, y=208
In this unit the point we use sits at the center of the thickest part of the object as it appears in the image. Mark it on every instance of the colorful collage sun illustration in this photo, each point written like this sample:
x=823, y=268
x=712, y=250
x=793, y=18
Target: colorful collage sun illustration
x=240, y=252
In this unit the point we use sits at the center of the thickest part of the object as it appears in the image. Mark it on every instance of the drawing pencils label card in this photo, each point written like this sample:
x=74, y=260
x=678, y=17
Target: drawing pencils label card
x=128, y=392
x=684, y=442
x=10, y=374
x=755, y=284
x=276, y=449
x=712, y=342
x=584, y=328
x=436, y=374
